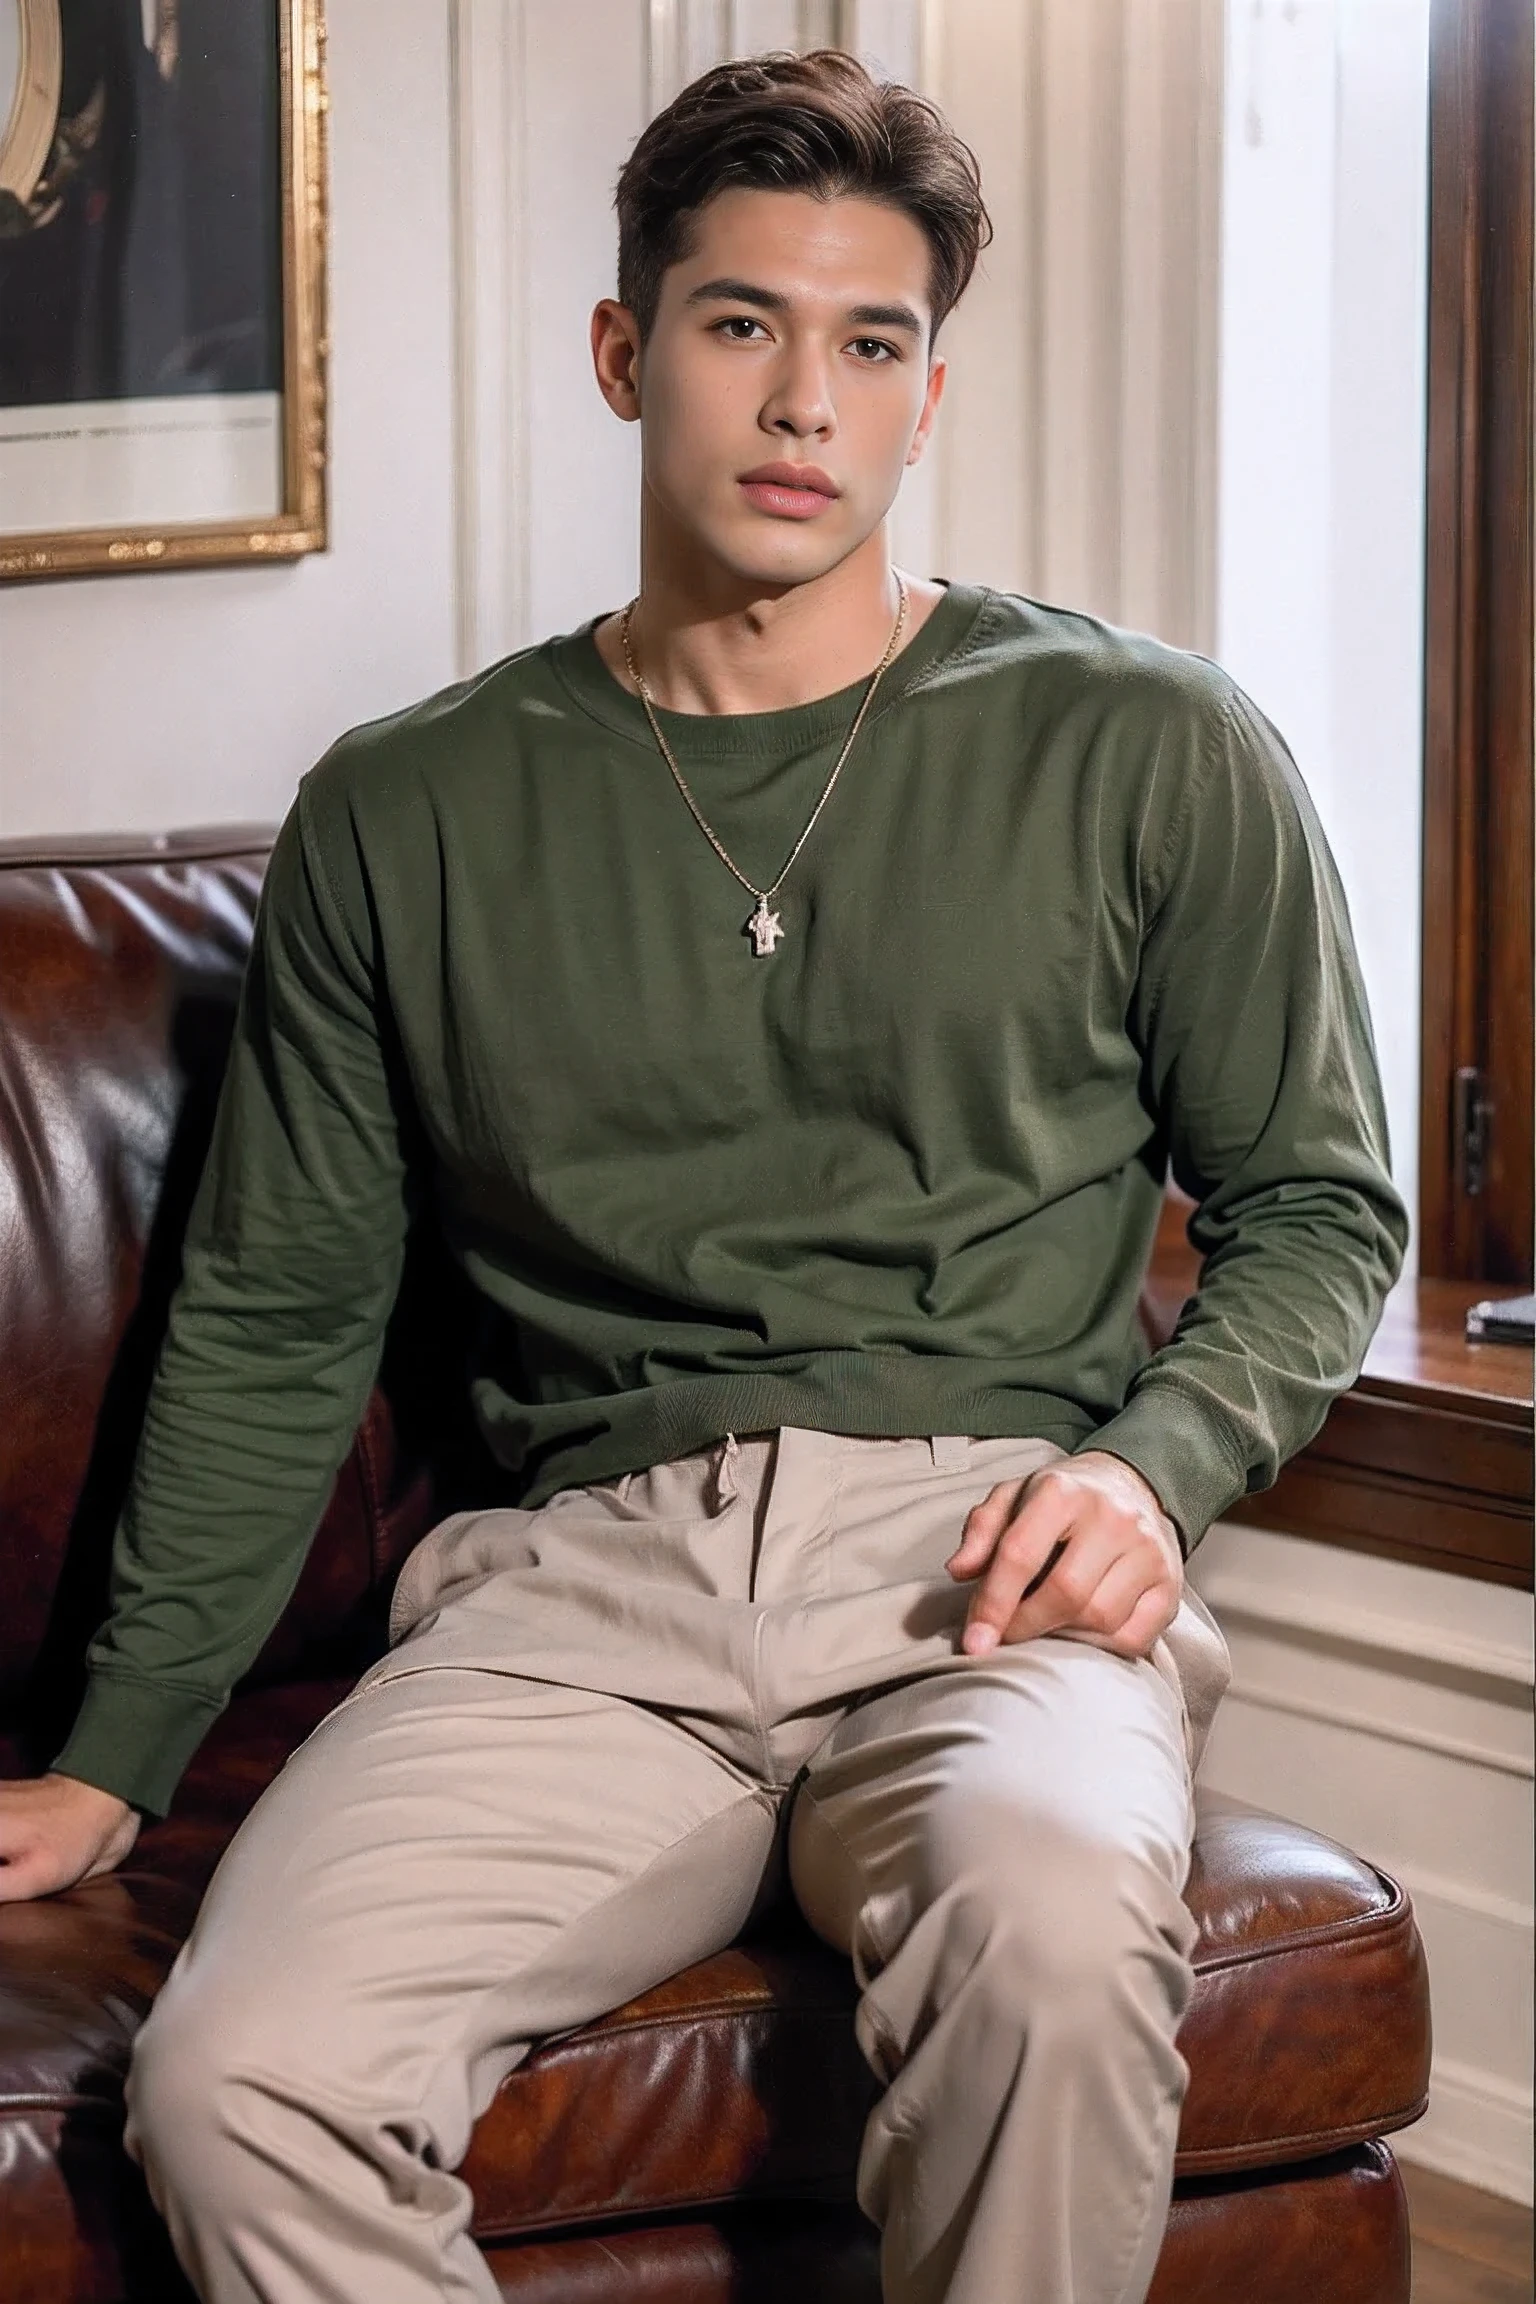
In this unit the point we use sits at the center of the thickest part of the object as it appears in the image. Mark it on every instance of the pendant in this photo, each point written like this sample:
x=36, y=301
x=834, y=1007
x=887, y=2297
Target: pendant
x=765, y=929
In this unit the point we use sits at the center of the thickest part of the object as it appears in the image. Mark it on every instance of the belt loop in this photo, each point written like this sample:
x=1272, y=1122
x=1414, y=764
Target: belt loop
x=725, y=1470
x=949, y=1449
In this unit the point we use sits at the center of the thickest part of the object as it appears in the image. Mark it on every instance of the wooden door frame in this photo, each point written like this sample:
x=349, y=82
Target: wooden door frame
x=1478, y=867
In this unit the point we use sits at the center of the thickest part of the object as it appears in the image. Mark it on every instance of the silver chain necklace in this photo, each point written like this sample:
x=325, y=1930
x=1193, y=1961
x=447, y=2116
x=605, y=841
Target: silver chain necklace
x=764, y=927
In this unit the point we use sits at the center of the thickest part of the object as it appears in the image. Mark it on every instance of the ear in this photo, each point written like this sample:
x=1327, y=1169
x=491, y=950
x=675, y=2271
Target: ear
x=938, y=369
x=616, y=357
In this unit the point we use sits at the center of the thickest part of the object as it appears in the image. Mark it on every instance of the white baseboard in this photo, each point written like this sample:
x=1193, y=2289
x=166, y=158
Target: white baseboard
x=1477, y=2129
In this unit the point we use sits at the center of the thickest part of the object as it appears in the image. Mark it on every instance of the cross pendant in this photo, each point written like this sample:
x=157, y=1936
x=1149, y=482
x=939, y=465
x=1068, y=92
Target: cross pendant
x=764, y=928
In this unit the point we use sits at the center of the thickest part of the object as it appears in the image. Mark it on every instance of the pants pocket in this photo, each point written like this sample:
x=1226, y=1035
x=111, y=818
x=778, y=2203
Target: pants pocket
x=461, y=1552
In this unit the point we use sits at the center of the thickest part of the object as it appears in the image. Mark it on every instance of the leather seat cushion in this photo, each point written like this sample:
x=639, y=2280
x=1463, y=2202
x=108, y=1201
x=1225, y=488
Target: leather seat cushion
x=1247, y=2237
x=737, y=2080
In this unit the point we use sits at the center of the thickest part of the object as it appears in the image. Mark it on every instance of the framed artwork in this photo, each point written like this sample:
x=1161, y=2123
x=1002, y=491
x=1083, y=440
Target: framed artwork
x=162, y=283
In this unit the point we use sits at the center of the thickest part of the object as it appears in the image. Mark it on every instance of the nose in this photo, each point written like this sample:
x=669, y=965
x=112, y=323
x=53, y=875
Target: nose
x=800, y=402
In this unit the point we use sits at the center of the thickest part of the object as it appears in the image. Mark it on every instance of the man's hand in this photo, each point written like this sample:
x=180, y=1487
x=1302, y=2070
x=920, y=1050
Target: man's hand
x=55, y=1830
x=1081, y=1546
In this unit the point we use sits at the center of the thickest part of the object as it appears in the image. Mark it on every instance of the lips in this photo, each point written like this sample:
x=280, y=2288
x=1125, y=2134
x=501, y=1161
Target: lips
x=789, y=491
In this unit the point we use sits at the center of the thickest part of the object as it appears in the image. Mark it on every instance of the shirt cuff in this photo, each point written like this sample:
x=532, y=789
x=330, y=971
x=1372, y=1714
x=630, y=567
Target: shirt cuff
x=1173, y=1443
x=134, y=1738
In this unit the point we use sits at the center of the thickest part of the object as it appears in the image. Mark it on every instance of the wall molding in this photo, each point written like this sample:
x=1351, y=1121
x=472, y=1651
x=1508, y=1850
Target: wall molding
x=1251, y=1601
x=684, y=37
x=1477, y=2130
x=1301, y=1707
x=1415, y=1649
x=1080, y=456
x=663, y=52
x=1506, y=1912
x=492, y=559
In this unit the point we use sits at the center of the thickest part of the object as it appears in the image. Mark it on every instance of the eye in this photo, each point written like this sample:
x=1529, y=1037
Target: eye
x=874, y=350
x=736, y=327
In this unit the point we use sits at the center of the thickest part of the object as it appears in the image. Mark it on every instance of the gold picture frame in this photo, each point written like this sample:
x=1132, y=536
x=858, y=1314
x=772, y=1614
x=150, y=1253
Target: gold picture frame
x=39, y=145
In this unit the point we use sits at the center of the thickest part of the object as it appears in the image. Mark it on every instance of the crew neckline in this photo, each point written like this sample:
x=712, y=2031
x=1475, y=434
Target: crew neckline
x=701, y=736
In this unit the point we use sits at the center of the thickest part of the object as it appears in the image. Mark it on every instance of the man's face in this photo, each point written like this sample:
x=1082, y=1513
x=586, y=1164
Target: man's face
x=790, y=344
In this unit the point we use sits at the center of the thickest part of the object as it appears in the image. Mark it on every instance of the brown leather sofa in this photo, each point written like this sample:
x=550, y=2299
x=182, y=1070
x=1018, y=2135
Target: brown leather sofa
x=697, y=2145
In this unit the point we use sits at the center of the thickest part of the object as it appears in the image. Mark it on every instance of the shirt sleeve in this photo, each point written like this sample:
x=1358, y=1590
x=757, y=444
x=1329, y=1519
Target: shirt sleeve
x=1259, y=1061
x=290, y=1267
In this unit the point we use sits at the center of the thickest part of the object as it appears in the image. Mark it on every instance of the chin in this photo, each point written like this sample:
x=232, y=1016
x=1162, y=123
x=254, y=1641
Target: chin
x=779, y=560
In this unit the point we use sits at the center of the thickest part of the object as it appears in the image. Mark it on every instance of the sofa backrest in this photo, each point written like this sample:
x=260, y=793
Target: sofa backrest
x=120, y=963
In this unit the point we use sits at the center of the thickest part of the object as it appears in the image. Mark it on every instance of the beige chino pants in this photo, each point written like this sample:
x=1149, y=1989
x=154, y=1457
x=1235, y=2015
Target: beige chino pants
x=604, y=1728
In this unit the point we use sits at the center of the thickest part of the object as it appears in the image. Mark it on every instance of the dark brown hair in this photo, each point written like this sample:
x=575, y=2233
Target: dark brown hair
x=784, y=123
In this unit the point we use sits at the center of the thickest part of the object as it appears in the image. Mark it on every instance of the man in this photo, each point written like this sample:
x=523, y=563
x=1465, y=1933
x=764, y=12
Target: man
x=786, y=995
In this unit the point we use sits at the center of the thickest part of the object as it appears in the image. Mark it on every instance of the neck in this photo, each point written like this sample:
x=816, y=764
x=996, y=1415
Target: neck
x=710, y=642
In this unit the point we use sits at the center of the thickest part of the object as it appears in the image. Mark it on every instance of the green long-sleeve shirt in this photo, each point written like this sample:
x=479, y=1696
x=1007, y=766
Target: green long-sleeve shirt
x=1067, y=913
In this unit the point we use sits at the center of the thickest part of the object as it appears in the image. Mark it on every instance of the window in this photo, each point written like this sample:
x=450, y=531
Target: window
x=1475, y=1146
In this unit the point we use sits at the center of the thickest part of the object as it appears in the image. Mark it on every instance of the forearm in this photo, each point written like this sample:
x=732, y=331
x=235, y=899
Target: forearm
x=1288, y=1299
x=238, y=1457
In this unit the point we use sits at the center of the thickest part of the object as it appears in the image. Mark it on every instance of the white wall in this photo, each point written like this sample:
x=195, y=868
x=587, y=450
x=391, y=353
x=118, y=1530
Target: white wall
x=153, y=700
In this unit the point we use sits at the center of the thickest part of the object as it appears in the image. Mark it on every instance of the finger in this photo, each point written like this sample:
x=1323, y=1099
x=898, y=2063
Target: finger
x=1101, y=1583
x=1023, y=1558
x=982, y=1527
x=1058, y=1598
x=1111, y=1595
x=25, y=1875
x=1144, y=1626
x=1125, y=1616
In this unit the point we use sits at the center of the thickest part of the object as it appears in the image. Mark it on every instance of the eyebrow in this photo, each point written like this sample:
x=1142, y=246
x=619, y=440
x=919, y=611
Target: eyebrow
x=769, y=300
